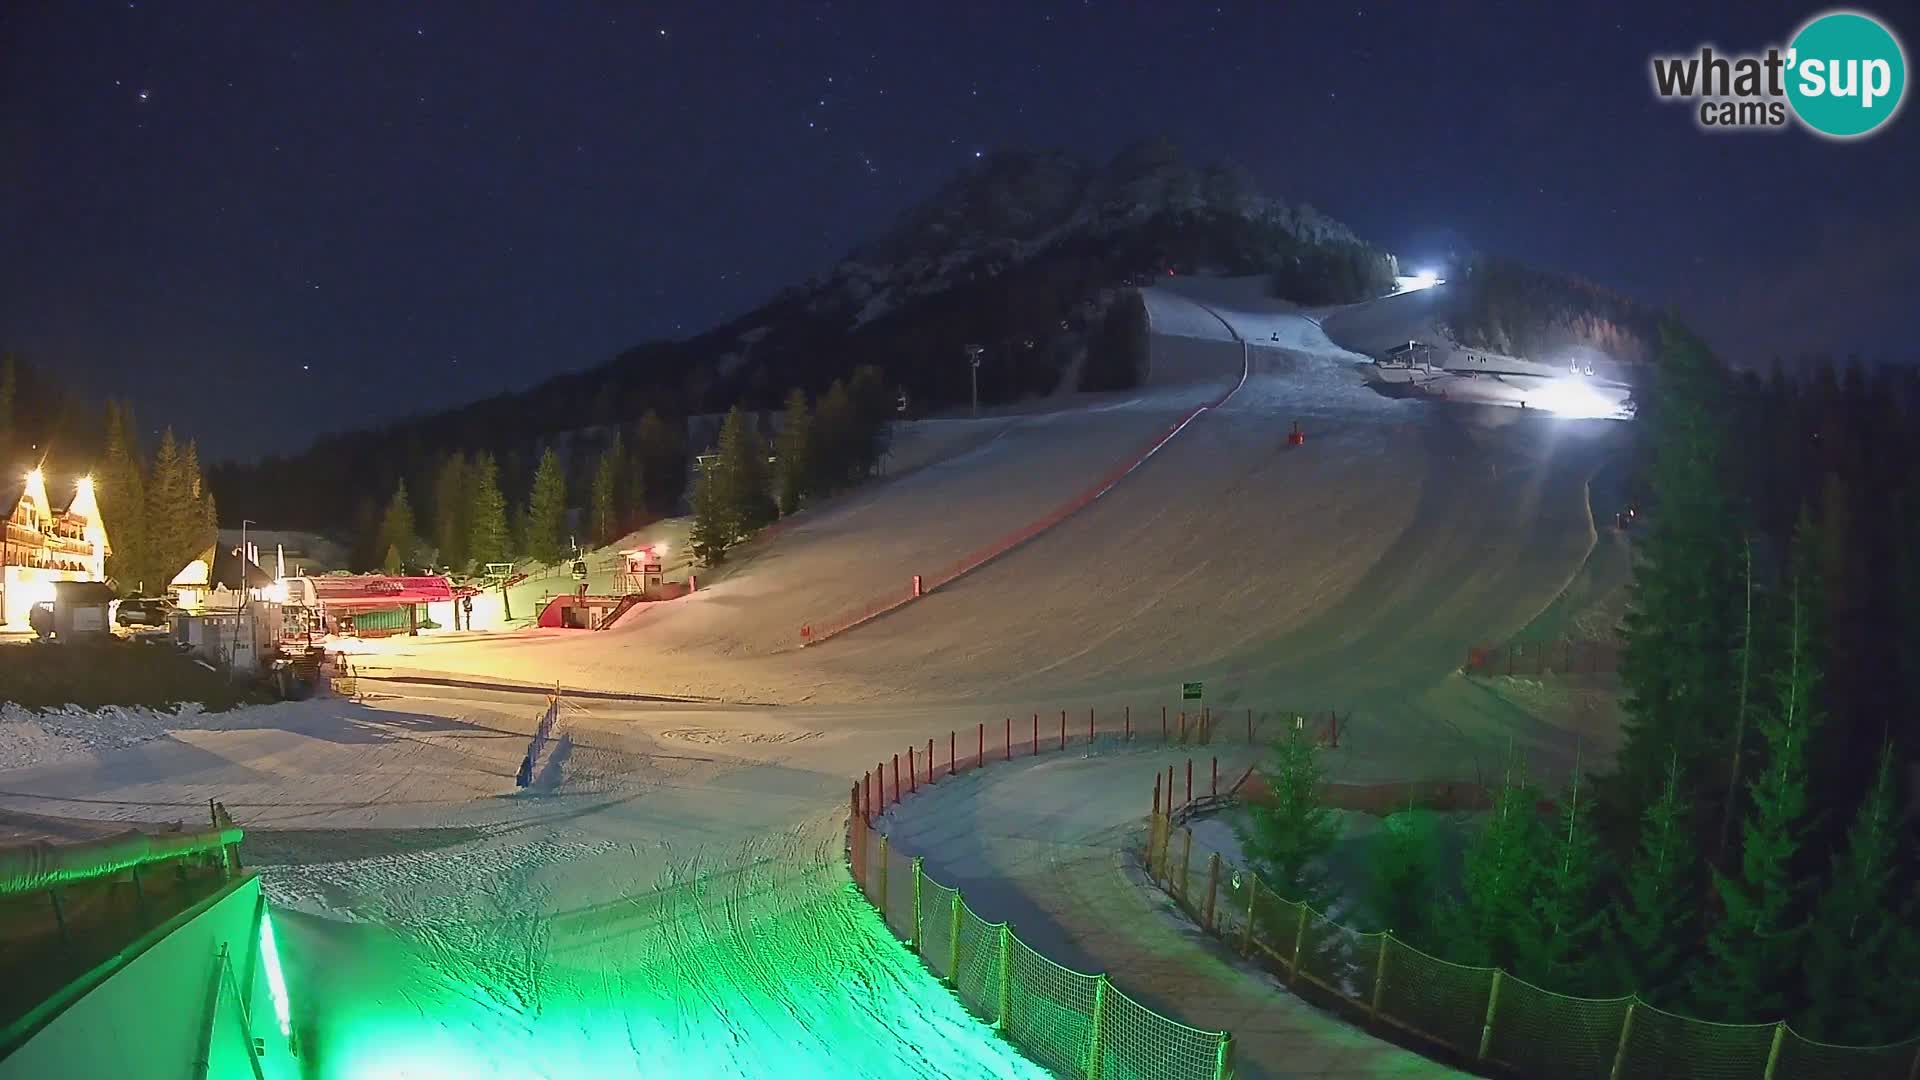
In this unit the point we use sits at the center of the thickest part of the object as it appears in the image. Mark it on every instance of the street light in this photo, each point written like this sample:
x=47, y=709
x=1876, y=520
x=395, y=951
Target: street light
x=973, y=358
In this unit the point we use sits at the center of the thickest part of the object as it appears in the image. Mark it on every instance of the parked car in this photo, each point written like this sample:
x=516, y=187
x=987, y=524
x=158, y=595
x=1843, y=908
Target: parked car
x=145, y=611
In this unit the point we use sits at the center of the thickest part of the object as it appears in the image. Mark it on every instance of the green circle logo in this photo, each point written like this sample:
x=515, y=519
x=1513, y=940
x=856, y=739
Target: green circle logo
x=1846, y=74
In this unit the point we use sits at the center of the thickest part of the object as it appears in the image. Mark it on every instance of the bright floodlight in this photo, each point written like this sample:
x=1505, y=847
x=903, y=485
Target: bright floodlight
x=1425, y=279
x=1573, y=398
x=35, y=478
x=660, y=548
x=85, y=484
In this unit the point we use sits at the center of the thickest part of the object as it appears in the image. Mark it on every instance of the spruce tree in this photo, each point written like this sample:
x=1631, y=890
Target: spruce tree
x=170, y=513
x=546, y=526
x=743, y=465
x=397, y=532
x=9, y=403
x=795, y=468
x=1754, y=949
x=121, y=490
x=451, y=506
x=872, y=411
x=487, y=540
x=661, y=455
x=1682, y=624
x=1858, y=989
x=1484, y=925
x=833, y=453
x=609, y=507
x=1284, y=839
x=1652, y=924
x=1556, y=947
x=1403, y=865
x=712, y=531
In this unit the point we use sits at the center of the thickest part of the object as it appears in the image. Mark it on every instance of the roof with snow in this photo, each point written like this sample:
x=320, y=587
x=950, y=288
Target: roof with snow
x=347, y=592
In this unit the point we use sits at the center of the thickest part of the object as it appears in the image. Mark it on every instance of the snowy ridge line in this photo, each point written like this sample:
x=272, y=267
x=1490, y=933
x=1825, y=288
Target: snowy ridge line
x=1124, y=1037
x=813, y=634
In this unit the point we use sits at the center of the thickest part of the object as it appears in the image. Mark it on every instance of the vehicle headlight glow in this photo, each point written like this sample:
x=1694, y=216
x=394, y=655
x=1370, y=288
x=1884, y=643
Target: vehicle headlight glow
x=1572, y=398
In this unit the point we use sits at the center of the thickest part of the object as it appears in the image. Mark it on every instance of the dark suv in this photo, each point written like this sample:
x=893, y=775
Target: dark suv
x=145, y=611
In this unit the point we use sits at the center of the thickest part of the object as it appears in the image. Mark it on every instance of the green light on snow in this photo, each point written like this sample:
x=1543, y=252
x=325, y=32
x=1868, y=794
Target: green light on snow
x=276, y=981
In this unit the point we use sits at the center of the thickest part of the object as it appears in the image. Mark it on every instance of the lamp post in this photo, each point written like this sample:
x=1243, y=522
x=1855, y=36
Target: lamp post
x=973, y=361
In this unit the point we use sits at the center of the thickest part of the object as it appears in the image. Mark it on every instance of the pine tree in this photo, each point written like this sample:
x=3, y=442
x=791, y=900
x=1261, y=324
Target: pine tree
x=1754, y=950
x=795, y=467
x=545, y=538
x=452, y=503
x=487, y=540
x=872, y=410
x=121, y=490
x=743, y=467
x=609, y=492
x=1862, y=933
x=1556, y=947
x=1652, y=922
x=712, y=531
x=397, y=532
x=1403, y=865
x=1284, y=839
x=9, y=402
x=1682, y=625
x=170, y=513
x=1484, y=925
x=661, y=455
x=200, y=523
x=835, y=439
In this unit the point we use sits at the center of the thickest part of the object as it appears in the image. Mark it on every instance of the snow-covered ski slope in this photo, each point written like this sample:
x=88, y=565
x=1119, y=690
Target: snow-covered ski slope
x=444, y=923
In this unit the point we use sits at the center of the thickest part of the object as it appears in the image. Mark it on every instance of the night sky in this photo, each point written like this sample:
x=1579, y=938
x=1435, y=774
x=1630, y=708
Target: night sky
x=265, y=221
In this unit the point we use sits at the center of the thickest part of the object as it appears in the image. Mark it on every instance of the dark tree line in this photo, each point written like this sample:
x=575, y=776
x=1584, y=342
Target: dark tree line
x=1509, y=307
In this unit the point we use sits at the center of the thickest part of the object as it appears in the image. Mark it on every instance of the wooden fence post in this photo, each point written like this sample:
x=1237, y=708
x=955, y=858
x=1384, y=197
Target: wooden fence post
x=953, y=940
x=1299, y=935
x=913, y=775
x=1773, y=1052
x=1253, y=896
x=1379, y=976
x=953, y=752
x=1213, y=887
x=930, y=757
x=1096, y=1039
x=1006, y=979
x=1186, y=861
x=1063, y=729
x=882, y=890
x=1620, y=1048
x=918, y=940
x=1493, y=1002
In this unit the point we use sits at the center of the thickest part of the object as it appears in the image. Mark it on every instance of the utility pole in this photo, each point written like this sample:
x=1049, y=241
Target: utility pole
x=973, y=358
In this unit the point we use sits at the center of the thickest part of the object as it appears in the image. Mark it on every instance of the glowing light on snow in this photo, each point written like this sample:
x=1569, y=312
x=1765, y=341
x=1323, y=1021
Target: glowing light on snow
x=276, y=980
x=1573, y=398
x=1425, y=279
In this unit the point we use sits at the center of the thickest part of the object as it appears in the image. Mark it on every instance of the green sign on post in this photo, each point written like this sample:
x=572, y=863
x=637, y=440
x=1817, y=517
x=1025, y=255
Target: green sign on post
x=1190, y=691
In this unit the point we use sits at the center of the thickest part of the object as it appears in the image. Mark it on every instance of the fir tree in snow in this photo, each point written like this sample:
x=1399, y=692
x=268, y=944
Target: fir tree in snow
x=1403, y=867
x=397, y=532
x=487, y=512
x=1859, y=987
x=660, y=460
x=545, y=539
x=173, y=516
x=1483, y=926
x=743, y=480
x=1284, y=840
x=712, y=531
x=795, y=466
x=1652, y=924
x=1556, y=947
x=121, y=490
x=451, y=505
x=835, y=441
x=1754, y=950
x=609, y=492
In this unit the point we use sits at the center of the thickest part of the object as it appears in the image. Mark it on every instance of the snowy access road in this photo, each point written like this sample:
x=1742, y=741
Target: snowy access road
x=1047, y=843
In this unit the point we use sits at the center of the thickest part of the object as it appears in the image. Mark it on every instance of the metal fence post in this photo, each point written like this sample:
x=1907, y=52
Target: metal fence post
x=1626, y=1032
x=881, y=900
x=1223, y=1058
x=1006, y=978
x=917, y=939
x=953, y=940
x=1493, y=1002
x=1213, y=886
x=1773, y=1052
x=1379, y=976
x=1096, y=1040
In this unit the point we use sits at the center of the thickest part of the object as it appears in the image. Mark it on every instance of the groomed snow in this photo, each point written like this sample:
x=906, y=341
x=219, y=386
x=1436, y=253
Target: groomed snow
x=443, y=922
